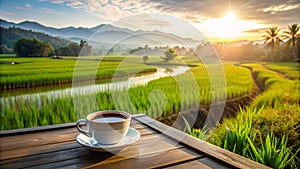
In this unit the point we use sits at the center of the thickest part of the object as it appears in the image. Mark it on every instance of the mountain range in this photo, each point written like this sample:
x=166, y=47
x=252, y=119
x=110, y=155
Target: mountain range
x=107, y=35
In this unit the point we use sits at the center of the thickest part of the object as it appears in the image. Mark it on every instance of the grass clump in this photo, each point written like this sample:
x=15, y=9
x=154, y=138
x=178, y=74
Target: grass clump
x=241, y=136
x=273, y=152
x=266, y=131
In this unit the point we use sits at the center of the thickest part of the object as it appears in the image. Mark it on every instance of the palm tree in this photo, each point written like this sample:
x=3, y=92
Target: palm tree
x=272, y=39
x=293, y=37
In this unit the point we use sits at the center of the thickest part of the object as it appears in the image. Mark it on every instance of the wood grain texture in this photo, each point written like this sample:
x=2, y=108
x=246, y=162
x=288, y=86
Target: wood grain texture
x=190, y=165
x=145, y=146
x=154, y=160
x=160, y=146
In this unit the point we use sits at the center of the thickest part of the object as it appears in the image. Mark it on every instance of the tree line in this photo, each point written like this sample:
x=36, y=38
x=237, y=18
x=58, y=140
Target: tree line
x=274, y=37
x=32, y=48
x=75, y=49
x=26, y=47
x=277, y=45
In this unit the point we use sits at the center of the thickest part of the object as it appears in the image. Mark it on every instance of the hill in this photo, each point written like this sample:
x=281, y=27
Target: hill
x=106, y=35
x=12, y=34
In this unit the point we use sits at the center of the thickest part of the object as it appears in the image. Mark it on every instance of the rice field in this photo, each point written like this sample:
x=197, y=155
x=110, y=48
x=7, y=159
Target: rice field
x=159, y=98
x=291, y=70
x=29, y=72
x=266, y=130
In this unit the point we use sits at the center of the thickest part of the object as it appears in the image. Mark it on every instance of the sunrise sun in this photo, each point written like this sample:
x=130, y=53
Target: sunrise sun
x=229, y=27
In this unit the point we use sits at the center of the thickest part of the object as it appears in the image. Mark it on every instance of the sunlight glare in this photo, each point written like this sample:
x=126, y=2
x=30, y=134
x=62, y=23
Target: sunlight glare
x=230, y=16
x=227, y=28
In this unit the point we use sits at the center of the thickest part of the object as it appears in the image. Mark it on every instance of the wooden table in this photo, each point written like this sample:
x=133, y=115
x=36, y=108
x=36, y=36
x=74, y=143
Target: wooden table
x=55, y=147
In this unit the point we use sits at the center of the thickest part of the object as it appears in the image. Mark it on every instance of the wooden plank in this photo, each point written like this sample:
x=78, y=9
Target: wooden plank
x=29, y=151
x=213, y=163
x=146, y=145
x=204, y=163
x=149, y=146
x=16, y=138
x=35, y=129
x=208, y=149
x=151, y=161
x=34, y=150
x=43, y=138
x=37, y=141
x=94, y=161
x=190, y=165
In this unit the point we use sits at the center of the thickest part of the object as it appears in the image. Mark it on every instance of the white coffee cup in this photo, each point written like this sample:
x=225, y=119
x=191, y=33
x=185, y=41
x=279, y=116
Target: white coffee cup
x=105, y=127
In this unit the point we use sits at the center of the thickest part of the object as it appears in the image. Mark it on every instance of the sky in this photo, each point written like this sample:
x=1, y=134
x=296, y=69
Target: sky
x=215, y=19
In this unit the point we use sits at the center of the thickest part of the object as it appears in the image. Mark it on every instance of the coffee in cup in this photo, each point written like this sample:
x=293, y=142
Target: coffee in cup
x=105, y=127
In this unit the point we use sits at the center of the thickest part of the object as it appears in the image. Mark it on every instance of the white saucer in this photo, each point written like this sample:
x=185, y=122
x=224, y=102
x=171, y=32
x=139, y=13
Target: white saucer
x=131, y=137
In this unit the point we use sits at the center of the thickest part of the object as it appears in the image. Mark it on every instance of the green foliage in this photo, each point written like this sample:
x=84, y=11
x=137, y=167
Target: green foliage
x=170, y=54
x=133, y=51
x=75, y=49
x=279, y=121
x=273, y=152
x=32, y=47
x=202, y=134
x=145, y=58
x=293, y=39
x=235, y=139
x=239, y=135
x=272, y=38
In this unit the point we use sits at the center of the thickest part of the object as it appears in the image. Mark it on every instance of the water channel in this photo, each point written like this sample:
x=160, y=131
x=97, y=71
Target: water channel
x=90, y=89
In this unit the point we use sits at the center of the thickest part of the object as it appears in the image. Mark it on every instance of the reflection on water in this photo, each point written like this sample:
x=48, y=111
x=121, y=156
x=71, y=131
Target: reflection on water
x=90, y=89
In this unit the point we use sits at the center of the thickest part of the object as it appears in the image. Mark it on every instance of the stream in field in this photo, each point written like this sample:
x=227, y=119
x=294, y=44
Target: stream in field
x=90, y=89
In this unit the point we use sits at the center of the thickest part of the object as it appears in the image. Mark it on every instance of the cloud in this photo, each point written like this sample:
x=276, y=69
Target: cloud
x=28, y=5
x=280, y=8
x=259, y=30
x=54, y=1
x=110, y=10
x=40, y=10
x=280, y=12
x=6, y=13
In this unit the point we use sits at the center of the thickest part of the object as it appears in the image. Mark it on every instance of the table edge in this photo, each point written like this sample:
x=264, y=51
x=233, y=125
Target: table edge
x=44, y=128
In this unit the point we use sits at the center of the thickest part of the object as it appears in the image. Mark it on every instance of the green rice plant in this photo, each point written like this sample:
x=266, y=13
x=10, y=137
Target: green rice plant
x=173, y=100
x=33, y=72
x=237, y=132
x=273, y=152
x=202, y=134
x=290, y=70
x=278, y=91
